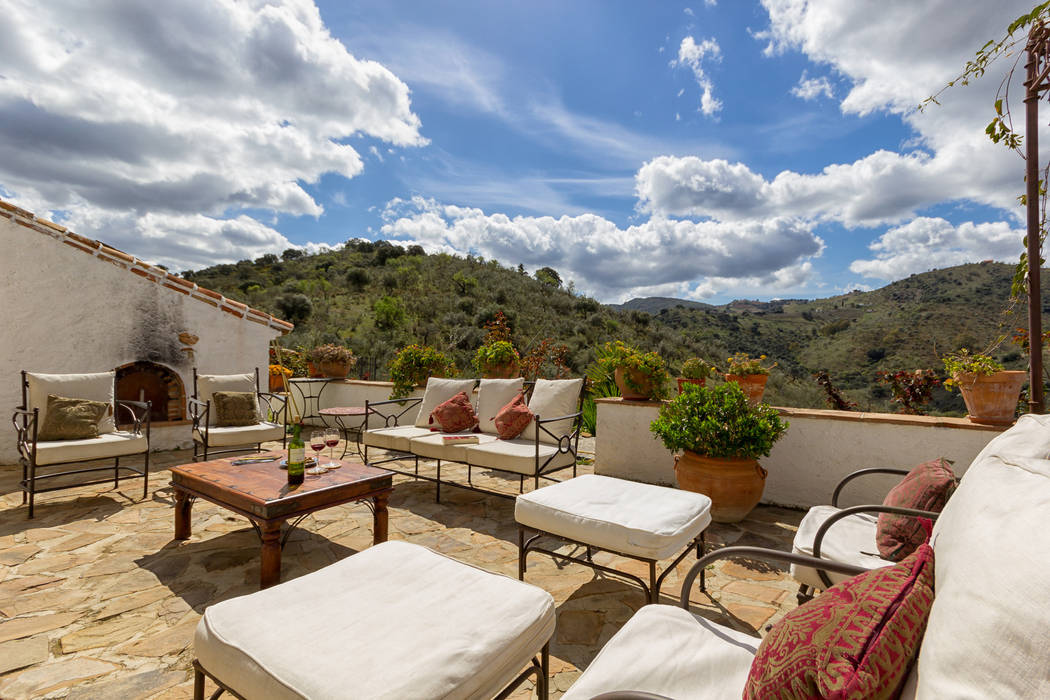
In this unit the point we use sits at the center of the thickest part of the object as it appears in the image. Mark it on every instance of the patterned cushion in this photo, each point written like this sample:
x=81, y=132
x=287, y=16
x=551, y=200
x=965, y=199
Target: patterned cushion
x=512, y=418
x=455, y=415
x=857, y=640
x=235, y=408
x=71, y=419
x=926, y=487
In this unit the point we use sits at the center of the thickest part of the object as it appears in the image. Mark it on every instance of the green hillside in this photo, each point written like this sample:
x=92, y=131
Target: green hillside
x=378, y=297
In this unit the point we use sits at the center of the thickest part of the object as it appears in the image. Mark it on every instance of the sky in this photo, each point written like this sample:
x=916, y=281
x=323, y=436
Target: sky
x=707, y=150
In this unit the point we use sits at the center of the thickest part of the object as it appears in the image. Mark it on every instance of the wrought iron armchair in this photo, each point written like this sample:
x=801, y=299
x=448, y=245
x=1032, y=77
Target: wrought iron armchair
x=207, y=435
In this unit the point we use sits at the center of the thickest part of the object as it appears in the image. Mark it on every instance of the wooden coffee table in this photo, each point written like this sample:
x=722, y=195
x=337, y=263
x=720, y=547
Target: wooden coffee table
x=260, y=492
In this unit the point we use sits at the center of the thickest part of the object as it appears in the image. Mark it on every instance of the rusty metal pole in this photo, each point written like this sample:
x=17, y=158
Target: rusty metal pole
x=1035, y=319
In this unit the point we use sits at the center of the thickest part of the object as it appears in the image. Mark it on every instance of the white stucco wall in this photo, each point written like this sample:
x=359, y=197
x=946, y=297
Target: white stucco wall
x=819, y=448
x=64, y=310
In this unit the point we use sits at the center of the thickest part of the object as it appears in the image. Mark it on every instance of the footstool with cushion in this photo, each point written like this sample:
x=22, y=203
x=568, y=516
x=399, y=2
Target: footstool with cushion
x=641, y=521
x=394, y=621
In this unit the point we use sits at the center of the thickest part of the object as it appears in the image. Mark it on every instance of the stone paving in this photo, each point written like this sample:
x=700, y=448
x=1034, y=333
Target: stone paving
x=97, y=600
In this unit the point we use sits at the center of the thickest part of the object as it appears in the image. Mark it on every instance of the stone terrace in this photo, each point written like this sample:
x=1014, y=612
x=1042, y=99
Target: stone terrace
x=98, y=600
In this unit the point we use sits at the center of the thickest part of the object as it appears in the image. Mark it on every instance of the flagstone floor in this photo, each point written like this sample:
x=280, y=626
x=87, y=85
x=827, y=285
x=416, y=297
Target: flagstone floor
x=97, y=600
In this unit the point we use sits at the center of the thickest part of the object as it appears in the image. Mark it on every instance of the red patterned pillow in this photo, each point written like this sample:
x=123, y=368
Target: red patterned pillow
x=513, y=418
x=926, y=487
x=857, y=640
x=455, y=415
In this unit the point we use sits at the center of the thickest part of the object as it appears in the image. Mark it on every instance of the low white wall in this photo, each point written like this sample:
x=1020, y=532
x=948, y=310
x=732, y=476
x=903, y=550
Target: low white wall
x=819, y=448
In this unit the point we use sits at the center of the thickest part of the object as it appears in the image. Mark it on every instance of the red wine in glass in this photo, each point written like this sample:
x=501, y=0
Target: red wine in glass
x=331, y=439
x=317, y=444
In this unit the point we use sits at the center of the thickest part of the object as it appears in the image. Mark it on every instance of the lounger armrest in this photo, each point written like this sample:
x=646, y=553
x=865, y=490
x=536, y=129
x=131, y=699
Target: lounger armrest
x=541, y=421
x=390, y=419
x=199, y=410
x=863, y=472
x=761, y=553
x=281, y=399
x=25, y=423
x=139, y=411
x=818, y=539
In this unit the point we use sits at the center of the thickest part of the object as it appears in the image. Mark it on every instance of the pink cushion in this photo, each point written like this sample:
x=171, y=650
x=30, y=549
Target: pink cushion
x=455, y=415
x=926, y=487
x=857, y=640
x=513, y=418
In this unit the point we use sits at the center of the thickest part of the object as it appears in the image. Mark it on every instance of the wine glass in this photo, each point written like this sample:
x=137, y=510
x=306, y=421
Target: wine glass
x=331, y=438
x=317, y=444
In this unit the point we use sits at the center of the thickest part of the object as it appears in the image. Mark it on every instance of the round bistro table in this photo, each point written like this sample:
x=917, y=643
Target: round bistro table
x=339, y=414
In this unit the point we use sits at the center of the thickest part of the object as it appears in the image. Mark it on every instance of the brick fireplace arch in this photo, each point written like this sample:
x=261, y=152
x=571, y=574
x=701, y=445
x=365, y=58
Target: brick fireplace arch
x=148, y=381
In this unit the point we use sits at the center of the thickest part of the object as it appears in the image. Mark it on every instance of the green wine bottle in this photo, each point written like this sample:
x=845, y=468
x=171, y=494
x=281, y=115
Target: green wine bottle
x=296, y=456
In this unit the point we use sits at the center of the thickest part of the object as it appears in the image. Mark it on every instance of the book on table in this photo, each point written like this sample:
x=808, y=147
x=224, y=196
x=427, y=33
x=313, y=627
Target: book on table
x=460, y=439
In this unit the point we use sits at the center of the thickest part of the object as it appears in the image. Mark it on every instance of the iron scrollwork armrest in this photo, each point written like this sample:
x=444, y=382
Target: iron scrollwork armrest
x=282, y=399
x=139, y=411
x=540, y=422
x=863, y=472
x=25, y=429
x=818, y=539
x=391, y=420
x=198, y=409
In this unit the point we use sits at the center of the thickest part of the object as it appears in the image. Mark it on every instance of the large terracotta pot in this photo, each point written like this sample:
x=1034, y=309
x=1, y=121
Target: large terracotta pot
x=640, y=388
x=991, y=399
x=277, y=383
x=734, y=485
x=335, y=370
x=313, y=371
x=506, y=370
x=682, y=381
x=753, y=385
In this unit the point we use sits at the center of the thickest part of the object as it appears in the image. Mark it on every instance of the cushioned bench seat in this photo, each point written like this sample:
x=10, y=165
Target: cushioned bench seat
x=642, y=521
x=518, y=456
x=397, y=438
x=227, y=436
x=432, y=446
x=394, y=621
x=853, y=543
x=107, y=445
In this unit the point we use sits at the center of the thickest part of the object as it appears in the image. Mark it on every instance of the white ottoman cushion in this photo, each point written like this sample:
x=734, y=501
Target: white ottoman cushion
x=106, y=445
x=433, y=447
x=518, y=456
x=669, y=651
x=394, y=621
x=845, y=542
x=397, y=438
x=642, y=520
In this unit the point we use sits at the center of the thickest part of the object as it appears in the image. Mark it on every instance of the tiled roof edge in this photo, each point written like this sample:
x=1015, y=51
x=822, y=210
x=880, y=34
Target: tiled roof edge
x=141, y=268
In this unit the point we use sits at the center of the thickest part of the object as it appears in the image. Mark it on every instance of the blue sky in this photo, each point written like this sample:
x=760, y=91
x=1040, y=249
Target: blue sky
x=708, y=150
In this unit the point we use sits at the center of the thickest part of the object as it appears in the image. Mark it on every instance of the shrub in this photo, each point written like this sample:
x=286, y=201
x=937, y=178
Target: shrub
x=413, y=365
x=497, y=352
x=741, y=365
x=697, y=368
x=389, y=312
x=962, y=362
x=294, y=307
x=649, y=364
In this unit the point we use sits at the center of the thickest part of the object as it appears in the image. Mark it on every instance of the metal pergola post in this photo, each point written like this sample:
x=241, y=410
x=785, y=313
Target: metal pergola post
x=1037, y=69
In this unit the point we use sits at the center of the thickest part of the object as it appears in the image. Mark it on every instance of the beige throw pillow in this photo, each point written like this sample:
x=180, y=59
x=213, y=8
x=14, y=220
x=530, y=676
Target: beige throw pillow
x=235, y=408
x=71, y=419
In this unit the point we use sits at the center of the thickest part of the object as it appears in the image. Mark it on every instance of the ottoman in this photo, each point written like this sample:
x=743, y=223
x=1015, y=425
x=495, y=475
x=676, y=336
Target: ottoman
x=640, y=521
x=394, y=621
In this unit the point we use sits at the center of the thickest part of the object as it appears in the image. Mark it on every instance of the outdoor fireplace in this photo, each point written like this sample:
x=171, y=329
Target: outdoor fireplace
x=149, y=381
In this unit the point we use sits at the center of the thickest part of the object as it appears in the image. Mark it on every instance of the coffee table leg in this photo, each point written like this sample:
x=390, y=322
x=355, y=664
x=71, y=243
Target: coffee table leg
x=379, y=518
x=183, y=506
x=270, y=573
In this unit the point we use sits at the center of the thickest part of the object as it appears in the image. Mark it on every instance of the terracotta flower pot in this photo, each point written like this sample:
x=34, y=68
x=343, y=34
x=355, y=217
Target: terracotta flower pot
x=640, y=387
x=335, y=369
x=991, y=399
x=312, y=370
x=682, y=381
x=506, y=370
x=734, y=485
x=753, y=385
x=277, y=383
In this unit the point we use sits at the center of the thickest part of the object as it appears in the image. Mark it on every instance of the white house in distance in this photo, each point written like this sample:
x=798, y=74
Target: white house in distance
x=72, y=304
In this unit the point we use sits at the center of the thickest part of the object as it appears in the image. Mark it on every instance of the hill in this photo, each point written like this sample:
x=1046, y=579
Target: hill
x=378, y=297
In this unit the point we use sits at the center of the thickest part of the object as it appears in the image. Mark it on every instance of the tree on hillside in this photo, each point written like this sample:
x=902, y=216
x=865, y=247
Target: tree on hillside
x=548, y=276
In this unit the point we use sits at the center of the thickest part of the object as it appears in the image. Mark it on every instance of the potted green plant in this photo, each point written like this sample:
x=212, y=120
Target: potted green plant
x=990, y=392
x=720, y=435
x=695, y=370
x=750, y=374
x=497, y=360
x=333, y=360
x=413, y=364
x=639, y=376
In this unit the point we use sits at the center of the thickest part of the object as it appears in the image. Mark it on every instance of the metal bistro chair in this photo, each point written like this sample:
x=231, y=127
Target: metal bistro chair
x=208, y=435
x=111, y=443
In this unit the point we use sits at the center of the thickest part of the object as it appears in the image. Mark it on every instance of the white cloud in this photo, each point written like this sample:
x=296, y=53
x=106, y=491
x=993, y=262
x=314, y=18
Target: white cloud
x=173, y=114
x=609, y=261
x=692, y=56
x=688, y=11
x=811, y=88
x=926, y=243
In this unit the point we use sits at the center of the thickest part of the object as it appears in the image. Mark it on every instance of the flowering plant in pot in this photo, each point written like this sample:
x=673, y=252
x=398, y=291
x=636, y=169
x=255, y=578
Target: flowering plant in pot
x=279, y=376
x=990, y=392
x=413, y=364
x=750, y=374
x=333, y=360
x=695, y=370
x=639, y=376
x=720, y=435
x=497, y=360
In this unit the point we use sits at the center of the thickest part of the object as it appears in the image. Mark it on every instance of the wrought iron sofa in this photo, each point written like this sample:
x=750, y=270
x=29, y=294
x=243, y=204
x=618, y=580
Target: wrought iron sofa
x=207, y=434
x=549, y=444
x=988, y=632
x=111, y=443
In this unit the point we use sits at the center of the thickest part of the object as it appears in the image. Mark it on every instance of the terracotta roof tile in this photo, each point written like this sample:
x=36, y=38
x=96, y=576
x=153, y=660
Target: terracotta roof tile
x=141, y=268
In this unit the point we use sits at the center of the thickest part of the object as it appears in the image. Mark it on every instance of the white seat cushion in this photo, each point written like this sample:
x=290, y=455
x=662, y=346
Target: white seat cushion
x=115, y=444
x=518, y=456
x=850, y=541
x=396, y=438
x=97, y=386
x=437, y=392
x=670, y=652
x=241, y=434
x=552, y=398
x=432, y=447
x=494, y=394
x=394, y=621
x=651, y=522
x=208, y=384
